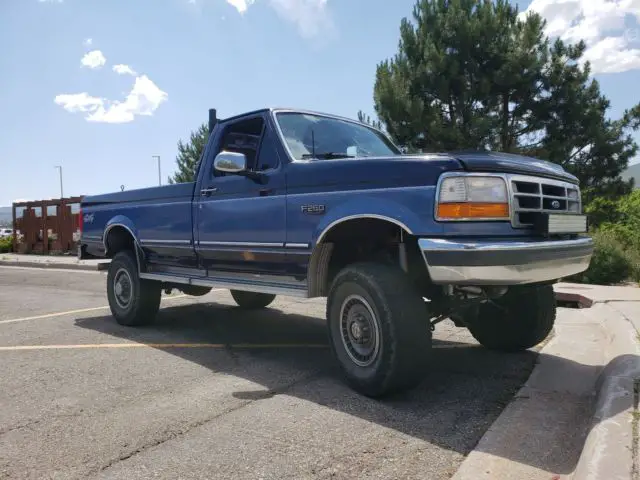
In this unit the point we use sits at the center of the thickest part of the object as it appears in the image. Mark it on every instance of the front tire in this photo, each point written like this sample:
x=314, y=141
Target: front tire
x=519, y=320
x=379, y=329
x=252, y=300
x=133, y=301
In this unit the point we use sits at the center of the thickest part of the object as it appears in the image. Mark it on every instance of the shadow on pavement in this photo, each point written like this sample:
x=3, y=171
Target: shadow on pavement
x=461, y=395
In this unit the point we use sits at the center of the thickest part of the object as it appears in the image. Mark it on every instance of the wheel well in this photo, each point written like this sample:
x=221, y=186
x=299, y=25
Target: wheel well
x=119, y=239
x=361, y=239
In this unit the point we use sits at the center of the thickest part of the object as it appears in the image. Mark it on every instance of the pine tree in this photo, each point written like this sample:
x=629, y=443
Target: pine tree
x=362, y=117
x=189, y=155
x=471, y=74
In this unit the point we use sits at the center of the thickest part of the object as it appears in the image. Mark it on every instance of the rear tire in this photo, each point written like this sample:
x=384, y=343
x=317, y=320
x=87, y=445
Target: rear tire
x=378, y=329
x=519, y=320
x=252, y=300
x=133, y=301
x=195, y=291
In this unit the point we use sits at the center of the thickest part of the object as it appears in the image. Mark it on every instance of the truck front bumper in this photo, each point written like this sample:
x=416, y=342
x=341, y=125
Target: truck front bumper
x=504, y=262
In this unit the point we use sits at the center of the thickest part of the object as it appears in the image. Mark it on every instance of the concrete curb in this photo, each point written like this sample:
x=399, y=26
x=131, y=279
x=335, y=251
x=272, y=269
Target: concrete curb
x=51, y=265
x=608, y=450
x=588, y=371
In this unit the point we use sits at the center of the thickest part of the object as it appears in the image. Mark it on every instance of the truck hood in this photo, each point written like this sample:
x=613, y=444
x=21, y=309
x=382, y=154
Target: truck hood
x=510, y=163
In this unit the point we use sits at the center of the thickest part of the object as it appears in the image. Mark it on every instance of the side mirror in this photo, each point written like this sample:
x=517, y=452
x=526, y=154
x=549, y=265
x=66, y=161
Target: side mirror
x=230, y=162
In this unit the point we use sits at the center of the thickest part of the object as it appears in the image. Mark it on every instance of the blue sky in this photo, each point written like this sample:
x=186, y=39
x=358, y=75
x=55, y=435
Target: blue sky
x=100, y=86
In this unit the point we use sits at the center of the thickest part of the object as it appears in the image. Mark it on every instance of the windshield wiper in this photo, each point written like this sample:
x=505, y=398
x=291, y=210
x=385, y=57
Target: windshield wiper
x=327, y=155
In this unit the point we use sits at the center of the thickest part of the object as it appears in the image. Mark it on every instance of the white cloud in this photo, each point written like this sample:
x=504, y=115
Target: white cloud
x=93, y=59
x=144, y=99
x=122, y=69
x=241, y=5
x=602, y=24
x=88, y=42
x=78, y=102
x=310, y=16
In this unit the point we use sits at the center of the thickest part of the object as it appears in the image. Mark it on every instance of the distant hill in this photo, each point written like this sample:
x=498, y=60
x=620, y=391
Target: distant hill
x=5, y=216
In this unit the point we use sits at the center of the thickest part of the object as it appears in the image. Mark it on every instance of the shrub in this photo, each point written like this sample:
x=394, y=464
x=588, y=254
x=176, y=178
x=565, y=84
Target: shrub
x=6, y=244
x=611, y=264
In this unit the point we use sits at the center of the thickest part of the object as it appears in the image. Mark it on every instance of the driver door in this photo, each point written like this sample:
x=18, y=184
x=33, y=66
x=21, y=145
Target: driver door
x=241, y=218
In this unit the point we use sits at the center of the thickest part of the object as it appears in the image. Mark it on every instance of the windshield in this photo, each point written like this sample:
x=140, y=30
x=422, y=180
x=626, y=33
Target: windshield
x=316, y=136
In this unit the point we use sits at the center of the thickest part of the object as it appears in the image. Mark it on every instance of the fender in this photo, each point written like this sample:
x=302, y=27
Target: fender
x=369, y=206
x=364, y=207
x=127, y=224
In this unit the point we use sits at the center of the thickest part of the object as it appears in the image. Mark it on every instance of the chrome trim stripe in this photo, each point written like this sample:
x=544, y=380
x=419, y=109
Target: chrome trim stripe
x=362, y=215
x=172, y=242
x=241, y=244
x=296, y=245
x=91, y=237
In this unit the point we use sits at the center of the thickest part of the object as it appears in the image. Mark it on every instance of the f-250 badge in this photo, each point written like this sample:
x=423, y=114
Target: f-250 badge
x=313, y=209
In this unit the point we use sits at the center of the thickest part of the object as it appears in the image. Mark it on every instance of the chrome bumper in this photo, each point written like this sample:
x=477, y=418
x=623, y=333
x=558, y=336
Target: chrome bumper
x=457, y=262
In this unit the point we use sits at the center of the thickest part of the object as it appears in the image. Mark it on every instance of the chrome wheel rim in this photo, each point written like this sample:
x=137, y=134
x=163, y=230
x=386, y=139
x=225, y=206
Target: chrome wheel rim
x=122, y=288
x=359, y=330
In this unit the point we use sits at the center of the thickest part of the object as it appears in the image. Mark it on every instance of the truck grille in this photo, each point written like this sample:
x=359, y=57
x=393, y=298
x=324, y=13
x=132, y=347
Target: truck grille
x=531, y=195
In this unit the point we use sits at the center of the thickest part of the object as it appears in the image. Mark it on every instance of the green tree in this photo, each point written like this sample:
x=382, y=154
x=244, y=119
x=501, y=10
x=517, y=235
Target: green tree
x=189, y=155
x=362, y=117
x=471, y=74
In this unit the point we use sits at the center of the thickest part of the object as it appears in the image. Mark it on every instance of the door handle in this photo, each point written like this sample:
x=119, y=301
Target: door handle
x=208, y=191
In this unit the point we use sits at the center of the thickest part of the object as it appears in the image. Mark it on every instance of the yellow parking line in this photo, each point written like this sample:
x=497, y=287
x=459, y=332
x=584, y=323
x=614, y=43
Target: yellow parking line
x=70, y=312
x=274, y=346
x=159, y=345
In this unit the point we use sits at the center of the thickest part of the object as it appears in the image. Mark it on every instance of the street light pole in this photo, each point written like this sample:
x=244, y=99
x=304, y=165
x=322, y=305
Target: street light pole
x=59, y=167
x=159, y=177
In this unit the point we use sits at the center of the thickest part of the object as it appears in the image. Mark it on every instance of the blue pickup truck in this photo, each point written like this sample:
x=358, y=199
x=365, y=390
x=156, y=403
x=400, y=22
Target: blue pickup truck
x=306, y=204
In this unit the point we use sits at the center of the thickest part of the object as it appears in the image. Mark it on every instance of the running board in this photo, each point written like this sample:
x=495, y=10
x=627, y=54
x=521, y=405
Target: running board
x=232, y=284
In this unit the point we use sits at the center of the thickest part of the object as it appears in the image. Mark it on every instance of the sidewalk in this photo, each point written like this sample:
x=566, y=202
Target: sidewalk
x=68, y=262
x=577, y=415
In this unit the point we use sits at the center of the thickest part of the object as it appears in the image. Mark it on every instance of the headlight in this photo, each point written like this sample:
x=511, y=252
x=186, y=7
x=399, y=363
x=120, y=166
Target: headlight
x=472, y=198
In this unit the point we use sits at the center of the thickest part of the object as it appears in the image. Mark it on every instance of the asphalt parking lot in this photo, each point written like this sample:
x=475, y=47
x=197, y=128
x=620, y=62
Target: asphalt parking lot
x=211, y=391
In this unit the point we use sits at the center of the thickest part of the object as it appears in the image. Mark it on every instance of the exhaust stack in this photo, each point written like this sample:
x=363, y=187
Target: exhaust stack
x=213, y=119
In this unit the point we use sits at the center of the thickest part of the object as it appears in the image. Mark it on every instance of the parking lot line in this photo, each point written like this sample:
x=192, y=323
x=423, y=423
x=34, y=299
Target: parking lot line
x=161, y=345
x=70, y=312
x=273, y=346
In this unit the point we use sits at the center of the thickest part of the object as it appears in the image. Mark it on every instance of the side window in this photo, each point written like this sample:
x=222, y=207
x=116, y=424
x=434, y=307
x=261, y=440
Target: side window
x=242, y=137
x=268, y=155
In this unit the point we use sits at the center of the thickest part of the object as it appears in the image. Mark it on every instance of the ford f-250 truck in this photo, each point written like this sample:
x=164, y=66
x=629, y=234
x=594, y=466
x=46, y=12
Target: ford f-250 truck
x=298, y=203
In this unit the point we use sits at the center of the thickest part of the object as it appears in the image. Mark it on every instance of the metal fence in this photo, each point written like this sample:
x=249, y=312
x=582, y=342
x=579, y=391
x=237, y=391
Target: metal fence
x=46, y=226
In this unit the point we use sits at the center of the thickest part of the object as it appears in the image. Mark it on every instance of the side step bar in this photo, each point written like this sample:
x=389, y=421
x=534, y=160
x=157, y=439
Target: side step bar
x=232, y=284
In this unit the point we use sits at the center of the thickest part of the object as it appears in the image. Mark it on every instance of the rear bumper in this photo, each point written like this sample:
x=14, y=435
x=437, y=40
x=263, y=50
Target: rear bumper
x=458, y=262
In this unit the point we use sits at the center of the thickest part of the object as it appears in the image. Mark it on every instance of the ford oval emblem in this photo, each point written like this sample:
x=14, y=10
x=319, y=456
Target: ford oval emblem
x=555, y=204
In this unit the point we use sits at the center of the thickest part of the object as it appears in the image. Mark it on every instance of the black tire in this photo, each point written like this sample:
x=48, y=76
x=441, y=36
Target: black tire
x=252, y=300
x=140, y=304
x=195, y=291
x=400, y=318
x=519, y=320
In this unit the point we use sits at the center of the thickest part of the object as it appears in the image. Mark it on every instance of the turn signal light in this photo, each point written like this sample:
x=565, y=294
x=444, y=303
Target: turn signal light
x=459, y=211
